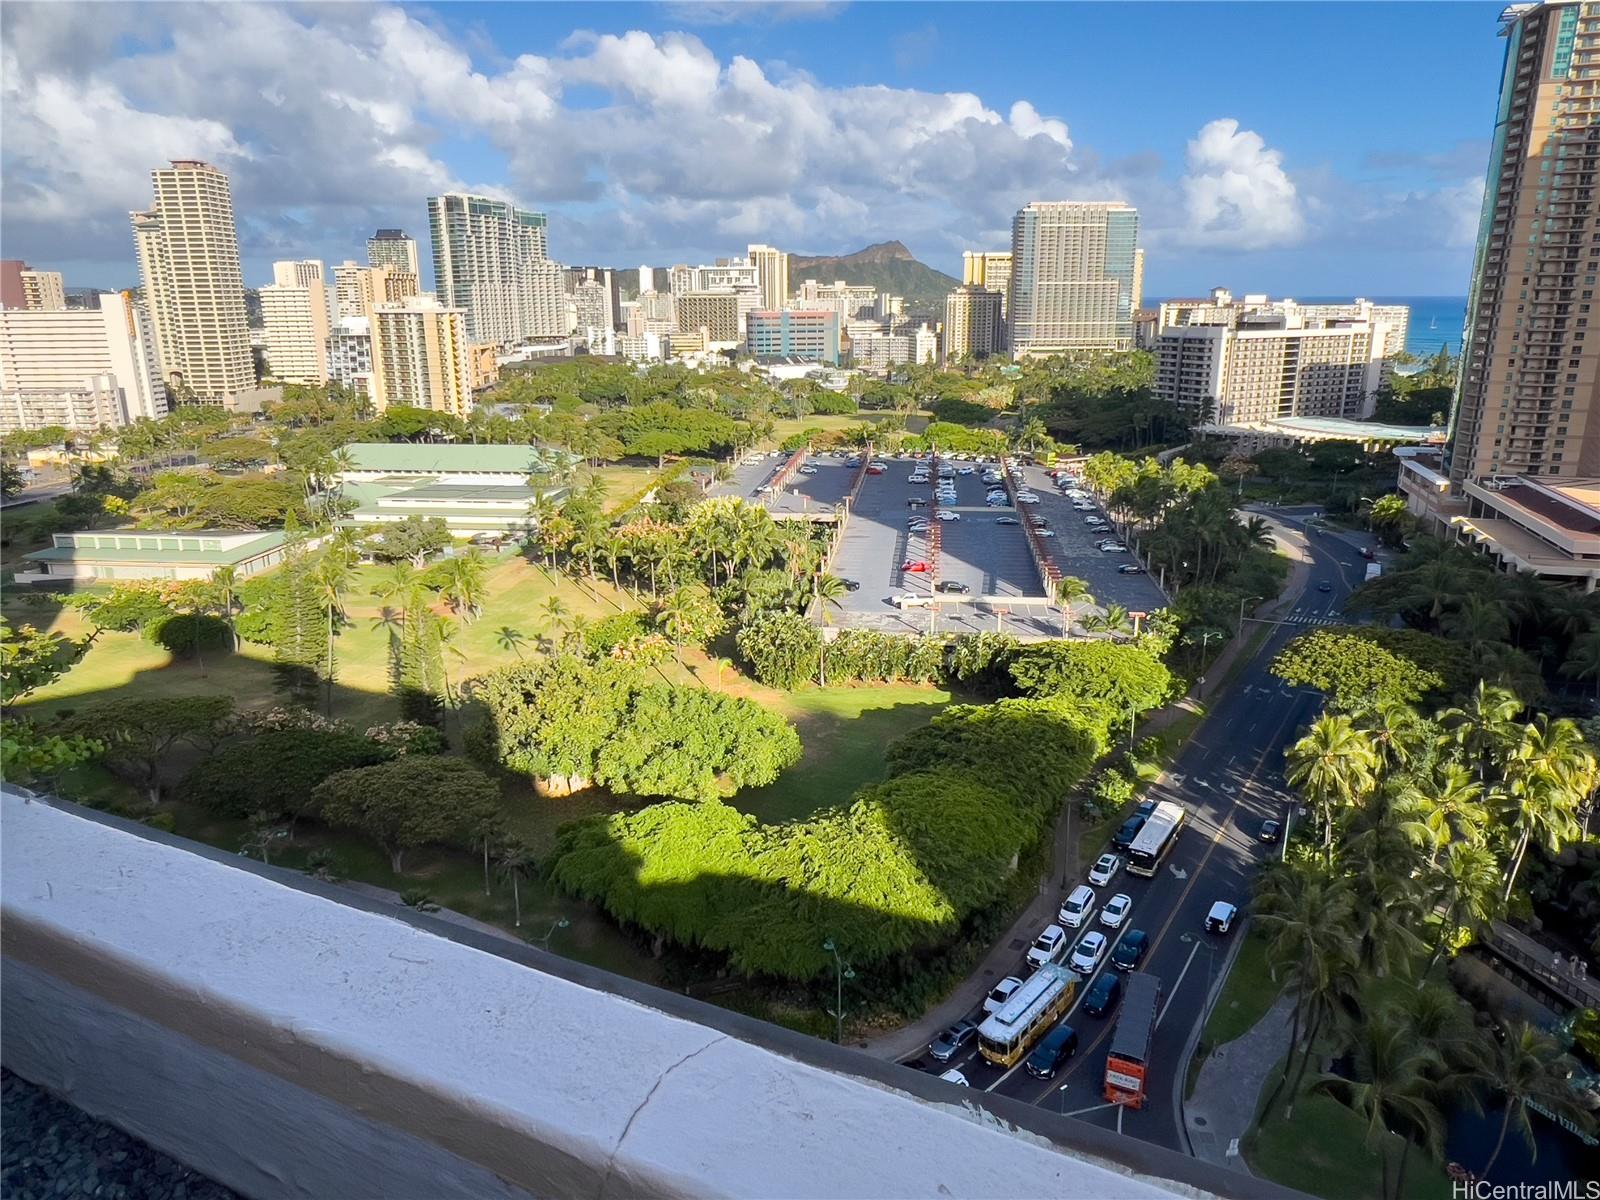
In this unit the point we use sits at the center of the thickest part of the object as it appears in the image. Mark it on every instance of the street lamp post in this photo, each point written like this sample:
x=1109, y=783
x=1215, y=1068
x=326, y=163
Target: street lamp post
x=841, y=973
x=1205, y=640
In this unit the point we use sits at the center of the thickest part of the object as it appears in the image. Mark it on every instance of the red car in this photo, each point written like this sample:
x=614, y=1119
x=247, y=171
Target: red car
x=875, y=470
x=913, y=564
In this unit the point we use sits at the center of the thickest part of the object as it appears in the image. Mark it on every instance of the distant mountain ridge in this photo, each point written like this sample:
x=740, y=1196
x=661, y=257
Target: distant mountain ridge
x=887, y=266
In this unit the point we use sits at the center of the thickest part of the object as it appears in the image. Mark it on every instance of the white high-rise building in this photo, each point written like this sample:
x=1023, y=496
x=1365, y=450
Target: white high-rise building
x=1073, y=278
x=488, y=261
x=393, y=248
x=647, y=280
x=350, y=354
x=847, y=299
x=294, y=316
x=772, y=274
x=189, y=260
x=80, y=368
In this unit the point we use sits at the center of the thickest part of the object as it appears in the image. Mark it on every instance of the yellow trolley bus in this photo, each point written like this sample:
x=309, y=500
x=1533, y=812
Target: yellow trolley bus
x=1008, y=1033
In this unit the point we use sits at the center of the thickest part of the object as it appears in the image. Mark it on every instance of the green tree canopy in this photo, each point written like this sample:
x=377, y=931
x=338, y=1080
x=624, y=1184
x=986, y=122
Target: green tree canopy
x=277, y=772
x=1353, y=669
x=409, y=802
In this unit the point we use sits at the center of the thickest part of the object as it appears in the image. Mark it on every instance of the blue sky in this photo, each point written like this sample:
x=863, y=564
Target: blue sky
x=1297, y=148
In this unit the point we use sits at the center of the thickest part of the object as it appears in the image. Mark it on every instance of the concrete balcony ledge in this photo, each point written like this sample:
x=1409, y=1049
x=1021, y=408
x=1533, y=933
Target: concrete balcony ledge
x=287, y=1039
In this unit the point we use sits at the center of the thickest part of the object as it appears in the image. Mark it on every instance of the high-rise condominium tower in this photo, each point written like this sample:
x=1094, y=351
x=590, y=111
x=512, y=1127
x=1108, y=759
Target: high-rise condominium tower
x=772, y=273
x=1073, y=277
x=1528, y=395
x=295, y=317
x=972, y=324
x=490, y=261
x=23, y=287
x=189, y=259
x=392, y=248
x=421, y=357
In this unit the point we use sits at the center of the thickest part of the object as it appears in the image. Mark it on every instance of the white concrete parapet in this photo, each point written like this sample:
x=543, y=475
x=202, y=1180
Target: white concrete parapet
x=289, y=1044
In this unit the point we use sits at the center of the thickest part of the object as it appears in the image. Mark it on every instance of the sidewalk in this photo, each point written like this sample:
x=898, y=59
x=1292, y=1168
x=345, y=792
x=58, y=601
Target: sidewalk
x=1228, y=1090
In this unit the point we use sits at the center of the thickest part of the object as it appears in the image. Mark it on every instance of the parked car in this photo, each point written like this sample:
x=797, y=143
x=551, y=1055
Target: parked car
x=1130, y=951
x=1000, y=993
x=851, y=585
x=1104, y=868
x=875, y=469
x=917, y=502
x=952, y=1041
x=1060, y=1044
x=1116, y=910
x=1130, y=569
x=1077, y=908
x=1114, y=548
x=951, y=587
x=808, y=470
x=1047, y=947
x=966, y=470
x=1086, y=955
x=1103, y=995
x=947, y=515
x=1220, y=918
x=1271, y=832
x=914, y=565
x=916, y=479
x=1104, y=542
x=1007, y=521
x=954, y=1076
x=1027, y=498
x=1045, y=532
x=1039, y=522
x=1127, y=831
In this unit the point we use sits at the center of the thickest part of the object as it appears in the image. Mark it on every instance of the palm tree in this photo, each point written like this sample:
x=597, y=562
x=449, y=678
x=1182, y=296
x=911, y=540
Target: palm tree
x=1583, y=659
x=1525, y=1070
x=1434, y=586
x=1450, y=804
x=511, y=639
x=226, y=581
x=1482, y=730
x=1394, y=1085
x=1071, y=590
x=332, y=582
x=1551, y=771
x=827, y=590
x=1114, y=620
x=1398, y=733
x=722, y=664
x=555, y=616
x=463, y=580
x=1467, y=884
x=1478, y=622
x=1334, y=767
x=515, y=862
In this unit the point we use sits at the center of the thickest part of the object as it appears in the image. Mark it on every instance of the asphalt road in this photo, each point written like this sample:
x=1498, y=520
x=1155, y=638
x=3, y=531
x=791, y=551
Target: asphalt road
x=1230, y=779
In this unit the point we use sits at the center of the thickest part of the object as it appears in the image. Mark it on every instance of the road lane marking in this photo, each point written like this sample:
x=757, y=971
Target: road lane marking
x=1172, y=992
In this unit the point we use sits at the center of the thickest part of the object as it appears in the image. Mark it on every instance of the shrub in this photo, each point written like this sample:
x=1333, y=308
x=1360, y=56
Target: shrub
x=187, y=634
x=276, y=772
x=616, y=630
x=782, y=650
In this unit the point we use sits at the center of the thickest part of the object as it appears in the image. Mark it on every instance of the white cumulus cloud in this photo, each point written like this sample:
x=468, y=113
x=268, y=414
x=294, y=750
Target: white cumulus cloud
x=1236, y=191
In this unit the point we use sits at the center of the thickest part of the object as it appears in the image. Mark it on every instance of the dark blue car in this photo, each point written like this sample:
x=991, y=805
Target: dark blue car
x=1103, y=996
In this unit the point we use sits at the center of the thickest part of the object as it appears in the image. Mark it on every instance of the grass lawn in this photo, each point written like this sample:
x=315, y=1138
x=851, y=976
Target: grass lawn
x=127, y=664
x=622, y=482
x=783, y=427
x=1245, y=999
x=1322, y=1151
x=844, y=732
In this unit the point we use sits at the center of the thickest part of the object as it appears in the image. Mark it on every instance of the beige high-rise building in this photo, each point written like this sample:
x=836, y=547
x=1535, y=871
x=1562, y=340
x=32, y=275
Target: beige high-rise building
x=189, y=260
x=973, y=327
x=1528, y=396
x=1138, y=280
x=989, y=269
x=1222, y=307
x=21, y=287
x=421, y=357
x=715, y=312
x=80, y=368
x=1073, y=270
x=358, y=289
x=772, y=273
x=1265, y=367
x=393, y=248
x=294, y=315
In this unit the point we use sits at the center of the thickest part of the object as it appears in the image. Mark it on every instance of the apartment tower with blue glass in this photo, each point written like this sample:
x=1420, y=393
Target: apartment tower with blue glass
x=1074, y=277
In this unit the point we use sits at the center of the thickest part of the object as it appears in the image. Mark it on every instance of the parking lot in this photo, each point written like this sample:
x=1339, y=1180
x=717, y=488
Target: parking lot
x=991, y=560
x=816, y=495
x=1076, y=555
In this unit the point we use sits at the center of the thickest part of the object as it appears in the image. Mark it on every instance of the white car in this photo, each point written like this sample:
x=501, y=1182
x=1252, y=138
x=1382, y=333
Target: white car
x=1094, y=522
x=1104, y=868
x=916, y=479
x=1045, y=532
x=1000, y=993
x=1116, y=910
x=966, y=470
x=1087, y=953
x=1047, y=947
x=1114, y=548
x=947, y=515
x=1220, y=918
x=1077, y=908
x=1027, y=498
x=954, y=1076
x=808, y=470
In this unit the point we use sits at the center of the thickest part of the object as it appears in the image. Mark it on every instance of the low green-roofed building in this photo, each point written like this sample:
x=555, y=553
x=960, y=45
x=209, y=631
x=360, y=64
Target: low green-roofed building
x=452, y=462
x=97, y=555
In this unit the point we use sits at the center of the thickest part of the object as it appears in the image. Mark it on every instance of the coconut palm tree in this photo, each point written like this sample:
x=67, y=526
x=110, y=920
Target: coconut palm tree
x=1393, y=1087
x=332, y=582
x=226, y=581
x=1398, y=732
x=1434, y=586
x=1583, y=659
x=1071, y=590
x=515, y=861
x=556, y=618
x=1114, y=620
x=828, y=591
x=1334, y=767
x=1467, y=885
x=1450, y=805
x=1478, y=622
x=1525, y=1070
x=1482, y=730
x=511, y=639
x=463, y=580
x=1550, y=772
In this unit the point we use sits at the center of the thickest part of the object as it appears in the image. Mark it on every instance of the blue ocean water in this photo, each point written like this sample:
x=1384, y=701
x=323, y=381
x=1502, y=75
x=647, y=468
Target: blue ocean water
x=1435, y=320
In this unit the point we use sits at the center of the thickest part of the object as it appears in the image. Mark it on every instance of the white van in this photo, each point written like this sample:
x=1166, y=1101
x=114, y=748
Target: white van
x=1078, y=907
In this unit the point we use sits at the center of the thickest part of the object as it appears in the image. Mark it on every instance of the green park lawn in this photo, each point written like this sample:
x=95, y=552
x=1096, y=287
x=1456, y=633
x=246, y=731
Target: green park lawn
x=783, y=427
